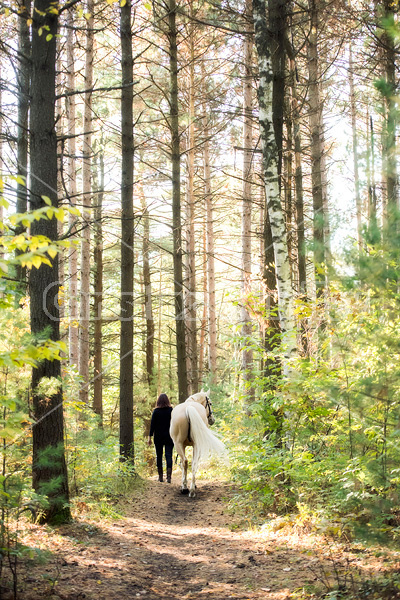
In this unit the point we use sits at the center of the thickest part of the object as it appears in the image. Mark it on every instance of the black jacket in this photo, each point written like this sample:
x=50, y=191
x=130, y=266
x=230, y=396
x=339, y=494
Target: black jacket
x=159, y=426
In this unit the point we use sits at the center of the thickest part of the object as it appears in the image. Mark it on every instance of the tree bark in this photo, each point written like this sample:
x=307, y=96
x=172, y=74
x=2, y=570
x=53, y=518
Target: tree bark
x=212, y=307
x=49, y=467
x=298, y=178
x=84, y=318
x=148, y=300
x=23, y=82
x=127, y=238
x=270, y=158
x=317, y=150
x=247, y=327
x=353, y=112
x=391, y=118
x=372, y=217
x=176, y=204
x=98, y=288
x=191, y=321
x=70, y=109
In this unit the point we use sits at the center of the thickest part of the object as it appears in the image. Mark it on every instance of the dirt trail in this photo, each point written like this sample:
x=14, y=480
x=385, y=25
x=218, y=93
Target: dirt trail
x=171, y=547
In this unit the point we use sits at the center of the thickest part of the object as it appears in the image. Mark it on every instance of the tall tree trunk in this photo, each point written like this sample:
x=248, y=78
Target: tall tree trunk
x=49, y=467
x=148, y=300
x=176, y=203
x=159, y=328
x=23, y=82
x=212, y=307
x=70, y=108
x=127, y=238
x=317, y=149
x=247, y=328
x=203, y=327
x=372, y=218
x=191, y=323
x=391, y=117
x=353, y=111
x=98, y=288
x=298, y=178
x=270, y=157
x=288, y=183
x=84, y=319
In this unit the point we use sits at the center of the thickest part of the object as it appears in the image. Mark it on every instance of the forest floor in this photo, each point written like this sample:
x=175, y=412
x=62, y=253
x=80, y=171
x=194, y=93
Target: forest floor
x=168, y=547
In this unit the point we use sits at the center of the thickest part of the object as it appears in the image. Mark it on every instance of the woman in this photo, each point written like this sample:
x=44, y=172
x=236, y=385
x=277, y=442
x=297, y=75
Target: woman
x=159, y=426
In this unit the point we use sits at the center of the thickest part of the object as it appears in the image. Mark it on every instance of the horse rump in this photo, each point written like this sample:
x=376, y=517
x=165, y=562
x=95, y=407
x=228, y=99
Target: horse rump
x=206, y=443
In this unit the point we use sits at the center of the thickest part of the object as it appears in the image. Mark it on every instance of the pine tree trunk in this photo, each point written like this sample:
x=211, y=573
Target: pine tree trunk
x=370, y=161
x=49, y=467
x=176, y=204
x=247, y=327
x=212, y=308
x=148, y=300
x=203, y=327
x=127, y=238
x=270, y=157
x=73, y=330
x=298, y=178
x=391, y=118
x=23, y=82
x=84, y=318
x=316, y=150
x=191, y=323
x=355, y=147
x=98, y=288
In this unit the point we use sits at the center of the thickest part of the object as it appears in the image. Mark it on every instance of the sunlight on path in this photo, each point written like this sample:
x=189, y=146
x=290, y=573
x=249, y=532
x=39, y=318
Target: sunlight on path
x=171, y=547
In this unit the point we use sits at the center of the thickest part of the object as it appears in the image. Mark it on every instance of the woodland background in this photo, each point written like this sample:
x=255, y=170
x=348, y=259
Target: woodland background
x=202, y=194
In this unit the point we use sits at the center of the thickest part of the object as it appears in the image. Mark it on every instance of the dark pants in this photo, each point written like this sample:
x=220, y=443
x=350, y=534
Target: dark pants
x=168, y=453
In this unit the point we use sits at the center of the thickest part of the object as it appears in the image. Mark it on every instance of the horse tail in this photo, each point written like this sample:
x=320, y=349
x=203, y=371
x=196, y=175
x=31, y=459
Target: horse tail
x=206, y=442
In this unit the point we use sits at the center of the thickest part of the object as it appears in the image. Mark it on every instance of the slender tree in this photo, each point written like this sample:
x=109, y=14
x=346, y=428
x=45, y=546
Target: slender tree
x=176, y=202
x=23, y=82
x=270, y=170
x=210, y=244
x=127, y=238
x=49, y=466
x=247, y=328
x=317, y=149
x=98, y=178
x=70, y=109
x=84, y=318
x=191, y=319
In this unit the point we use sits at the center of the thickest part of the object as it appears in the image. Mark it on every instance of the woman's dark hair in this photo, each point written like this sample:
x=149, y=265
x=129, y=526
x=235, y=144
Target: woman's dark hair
x=163, y=401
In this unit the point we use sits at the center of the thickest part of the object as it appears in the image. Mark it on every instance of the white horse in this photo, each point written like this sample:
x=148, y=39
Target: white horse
x=189, y=428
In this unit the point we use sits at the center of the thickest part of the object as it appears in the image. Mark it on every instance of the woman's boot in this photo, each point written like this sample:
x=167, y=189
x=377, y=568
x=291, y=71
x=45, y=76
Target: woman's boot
x=169, y=473
x=160, y=474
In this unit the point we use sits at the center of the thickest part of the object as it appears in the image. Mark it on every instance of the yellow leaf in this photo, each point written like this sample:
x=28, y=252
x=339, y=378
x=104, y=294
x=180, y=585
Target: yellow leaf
x=60, y=214
x=52, y=252
x=122, y=3
x=36, y=261
x=29, y=22
x=20, y=239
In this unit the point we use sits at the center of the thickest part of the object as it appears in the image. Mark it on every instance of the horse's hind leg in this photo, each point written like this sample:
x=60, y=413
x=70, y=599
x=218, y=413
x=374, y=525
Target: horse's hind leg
x=184, y=466
x=195, y=463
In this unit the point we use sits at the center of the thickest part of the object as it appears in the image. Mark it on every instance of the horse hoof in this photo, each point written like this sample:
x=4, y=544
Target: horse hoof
x=184, y=491
x=192, y=494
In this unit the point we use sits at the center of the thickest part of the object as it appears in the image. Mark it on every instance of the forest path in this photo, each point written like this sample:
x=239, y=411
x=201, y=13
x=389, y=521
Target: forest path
x=170, y=547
